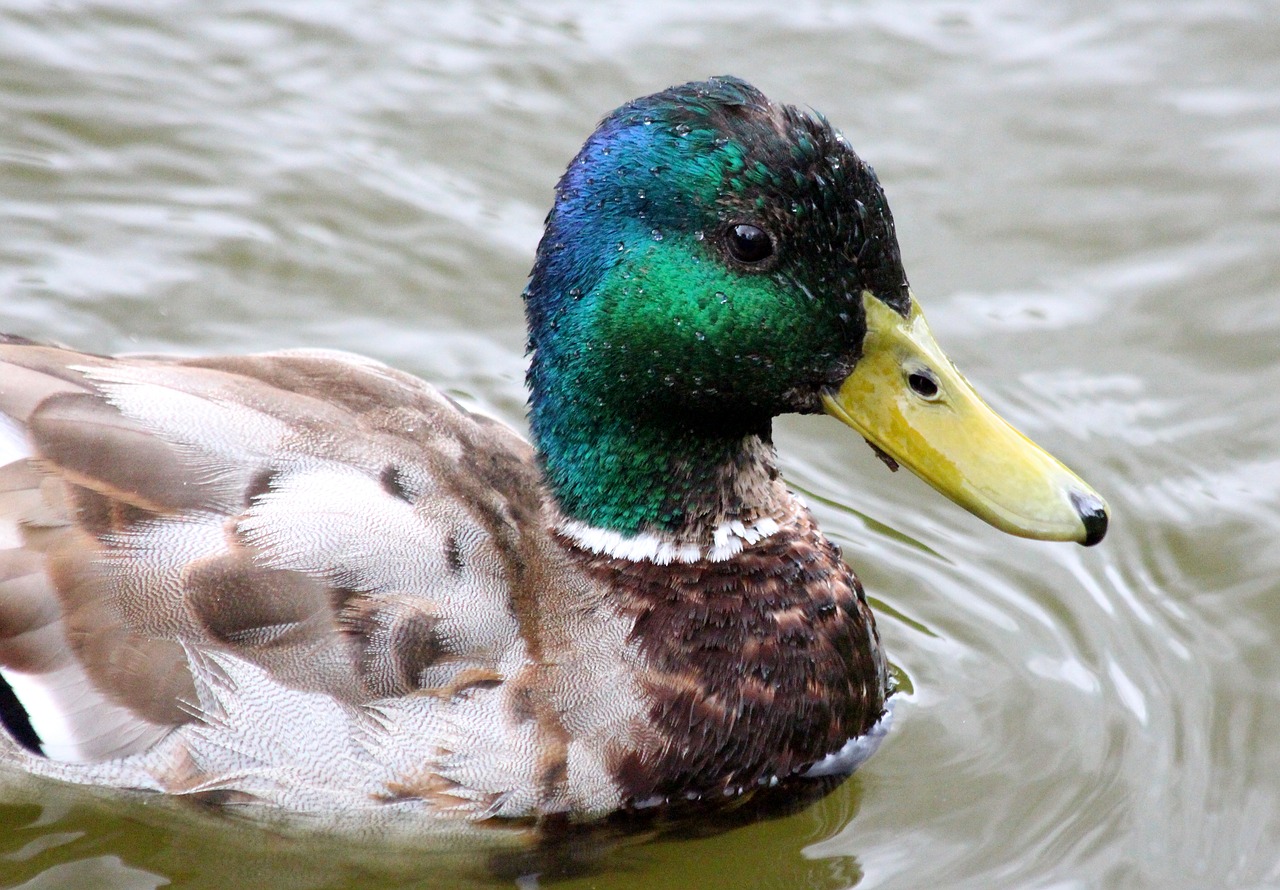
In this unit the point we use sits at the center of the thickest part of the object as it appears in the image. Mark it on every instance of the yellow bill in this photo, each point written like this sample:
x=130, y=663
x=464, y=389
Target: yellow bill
x=907, y=399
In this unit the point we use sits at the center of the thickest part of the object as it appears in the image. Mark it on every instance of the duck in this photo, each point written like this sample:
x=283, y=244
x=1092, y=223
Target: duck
x=303, y=581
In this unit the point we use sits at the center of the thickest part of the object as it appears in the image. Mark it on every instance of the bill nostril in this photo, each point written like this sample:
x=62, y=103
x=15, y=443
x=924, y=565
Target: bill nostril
x=923, y=383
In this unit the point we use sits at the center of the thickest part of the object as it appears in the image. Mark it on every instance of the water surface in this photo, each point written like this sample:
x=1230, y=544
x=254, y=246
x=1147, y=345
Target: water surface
x=1088, y=199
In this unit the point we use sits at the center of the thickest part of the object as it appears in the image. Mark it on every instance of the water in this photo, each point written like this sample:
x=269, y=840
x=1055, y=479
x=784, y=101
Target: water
x=1088, y=197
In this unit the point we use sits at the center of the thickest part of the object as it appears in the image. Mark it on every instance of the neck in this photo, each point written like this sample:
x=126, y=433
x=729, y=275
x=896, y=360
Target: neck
x=630, y=487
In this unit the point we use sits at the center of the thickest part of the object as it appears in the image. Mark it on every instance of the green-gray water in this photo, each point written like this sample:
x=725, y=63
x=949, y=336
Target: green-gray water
x=1088, y=199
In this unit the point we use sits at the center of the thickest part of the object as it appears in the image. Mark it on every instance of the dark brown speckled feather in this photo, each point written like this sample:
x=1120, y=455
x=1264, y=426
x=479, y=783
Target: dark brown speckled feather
x=759, y=665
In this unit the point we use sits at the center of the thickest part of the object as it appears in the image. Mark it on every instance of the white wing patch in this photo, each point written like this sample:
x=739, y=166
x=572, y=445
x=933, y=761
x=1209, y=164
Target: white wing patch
x=74, y=721
x=13, y=448
x=13, y=441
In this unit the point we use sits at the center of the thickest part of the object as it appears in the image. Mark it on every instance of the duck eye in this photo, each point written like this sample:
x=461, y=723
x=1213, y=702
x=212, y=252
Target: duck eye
x=749, y=244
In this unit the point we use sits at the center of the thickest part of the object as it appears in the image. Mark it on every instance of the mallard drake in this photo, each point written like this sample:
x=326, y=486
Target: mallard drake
x=311, y=582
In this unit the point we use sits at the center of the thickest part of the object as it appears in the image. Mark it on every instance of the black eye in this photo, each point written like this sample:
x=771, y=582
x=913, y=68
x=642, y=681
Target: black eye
x=749, y=244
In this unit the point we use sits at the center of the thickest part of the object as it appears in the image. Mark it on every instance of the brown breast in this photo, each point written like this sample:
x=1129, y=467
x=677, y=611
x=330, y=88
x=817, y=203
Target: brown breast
x=757, y=665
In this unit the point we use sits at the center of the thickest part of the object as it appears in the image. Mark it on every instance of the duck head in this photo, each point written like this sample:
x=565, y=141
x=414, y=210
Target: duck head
x=714, y=260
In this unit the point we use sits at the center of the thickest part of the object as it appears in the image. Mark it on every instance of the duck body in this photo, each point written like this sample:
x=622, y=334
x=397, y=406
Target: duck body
x=307, y=581
x=311, y=581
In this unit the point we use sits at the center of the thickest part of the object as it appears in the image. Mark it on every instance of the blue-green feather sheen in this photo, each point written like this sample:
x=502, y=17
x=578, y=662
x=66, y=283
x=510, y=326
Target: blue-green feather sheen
x=653, y=357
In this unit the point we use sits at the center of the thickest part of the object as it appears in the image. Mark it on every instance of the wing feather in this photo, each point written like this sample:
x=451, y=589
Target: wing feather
x=297, y=512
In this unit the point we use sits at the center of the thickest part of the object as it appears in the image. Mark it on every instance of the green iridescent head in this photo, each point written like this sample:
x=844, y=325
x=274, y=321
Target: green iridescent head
x=706, y=267
x=706, y=256
x=701, y=272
